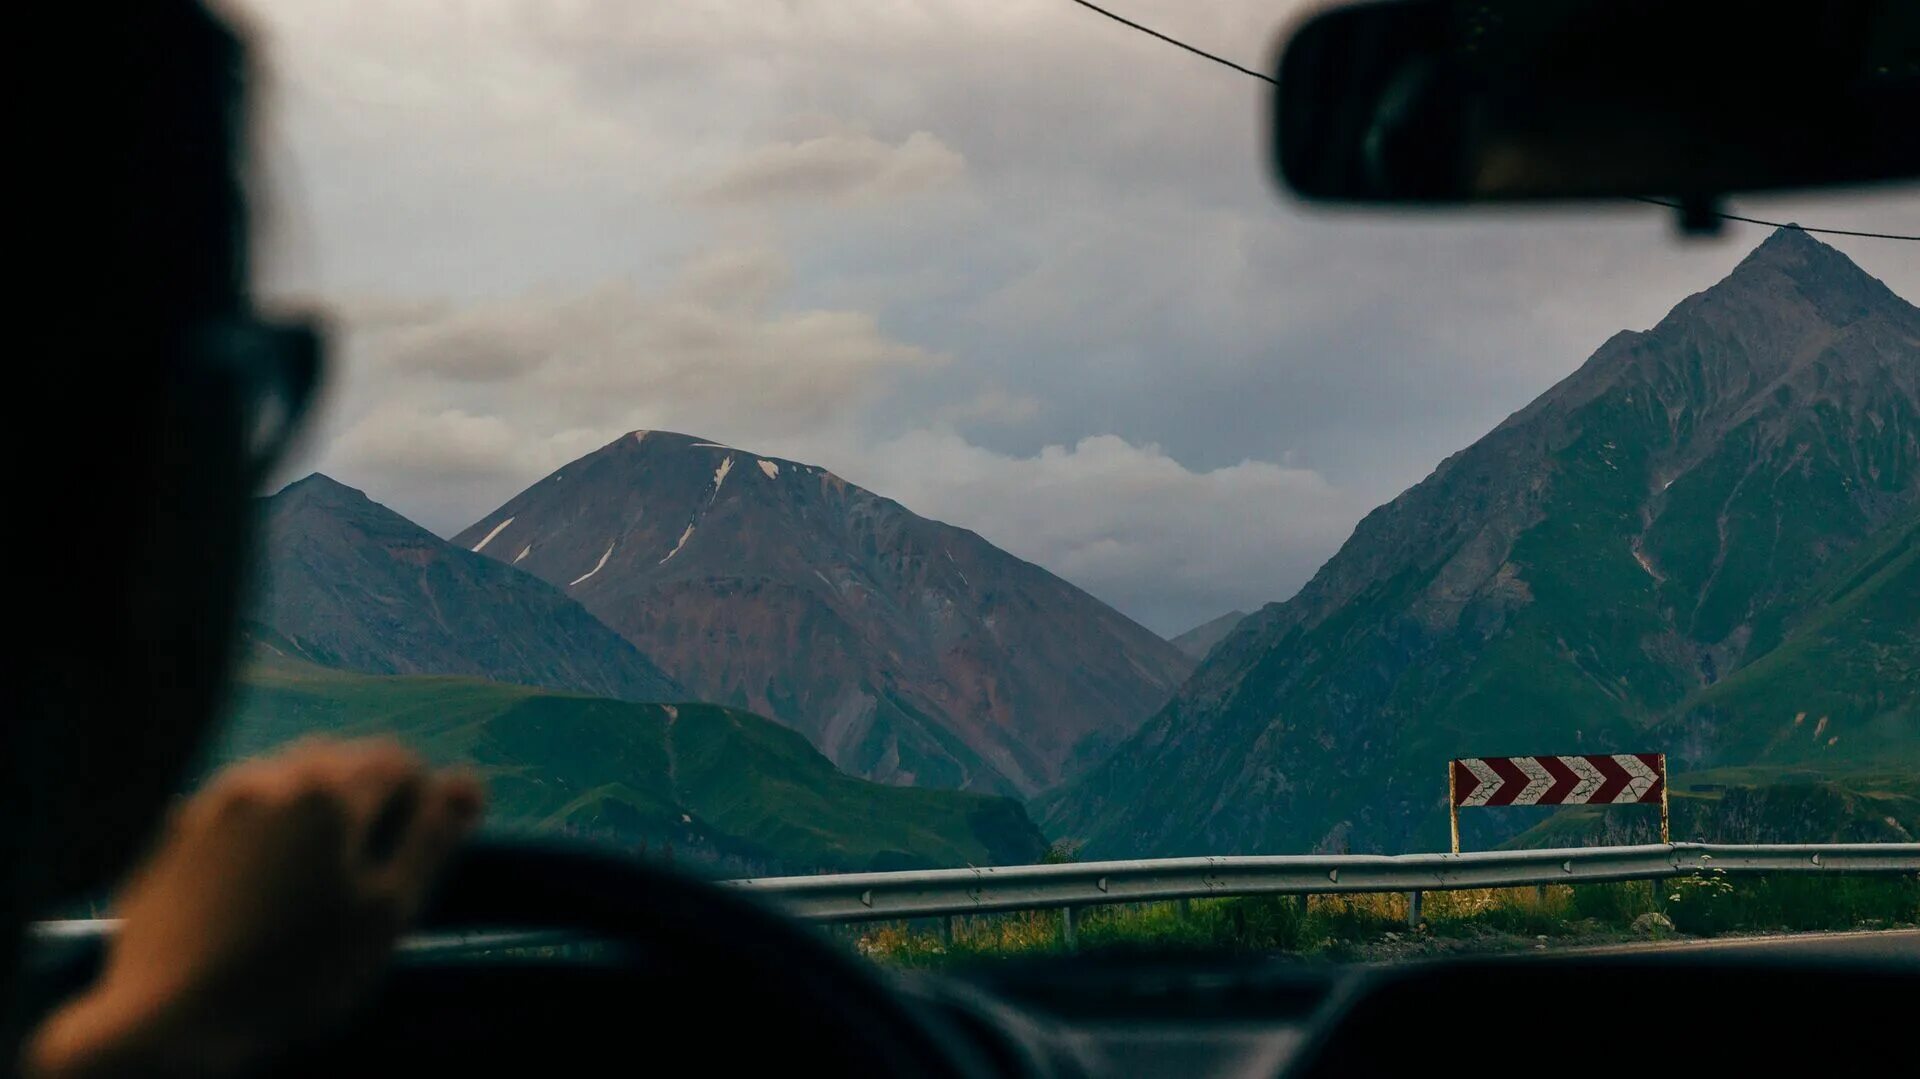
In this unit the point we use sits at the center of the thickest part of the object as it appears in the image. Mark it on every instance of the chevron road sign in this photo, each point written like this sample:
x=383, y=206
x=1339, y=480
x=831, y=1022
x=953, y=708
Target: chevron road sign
x=1588, y=779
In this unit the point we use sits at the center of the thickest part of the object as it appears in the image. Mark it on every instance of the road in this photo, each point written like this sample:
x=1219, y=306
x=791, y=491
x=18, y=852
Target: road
x=1901, y=944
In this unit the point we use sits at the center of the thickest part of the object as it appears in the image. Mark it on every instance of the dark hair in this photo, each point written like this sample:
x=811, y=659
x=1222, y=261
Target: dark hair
x=135, y=233
x=165, y=136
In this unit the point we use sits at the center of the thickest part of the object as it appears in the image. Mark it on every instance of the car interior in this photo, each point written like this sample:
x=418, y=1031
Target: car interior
x=1429, y=106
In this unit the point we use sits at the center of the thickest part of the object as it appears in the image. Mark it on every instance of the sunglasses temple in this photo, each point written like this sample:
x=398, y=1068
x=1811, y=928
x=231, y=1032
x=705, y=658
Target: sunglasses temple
x=298, y=372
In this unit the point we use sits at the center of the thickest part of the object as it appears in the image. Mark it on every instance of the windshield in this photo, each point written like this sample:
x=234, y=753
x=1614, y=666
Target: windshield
x=866, y=436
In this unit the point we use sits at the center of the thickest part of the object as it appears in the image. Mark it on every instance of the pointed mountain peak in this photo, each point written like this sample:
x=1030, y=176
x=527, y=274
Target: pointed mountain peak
x=650, y=444
x=640, y=437
x=322, y=495
x=1791, y=245
x=1201, y=639
x=908, y=649
x=1815, y=268
x=349, y=583
x=650, y=448
x=666, y=438
x=319, y=489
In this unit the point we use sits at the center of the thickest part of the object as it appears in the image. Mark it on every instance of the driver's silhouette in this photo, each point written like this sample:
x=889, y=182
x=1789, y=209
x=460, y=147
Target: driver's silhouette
x=257, y=911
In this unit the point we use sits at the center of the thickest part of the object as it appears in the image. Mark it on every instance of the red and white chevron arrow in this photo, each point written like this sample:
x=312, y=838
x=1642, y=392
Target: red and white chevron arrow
x=1596, y=779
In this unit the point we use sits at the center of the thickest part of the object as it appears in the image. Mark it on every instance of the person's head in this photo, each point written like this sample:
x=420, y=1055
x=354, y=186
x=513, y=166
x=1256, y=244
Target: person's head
x=163, y=398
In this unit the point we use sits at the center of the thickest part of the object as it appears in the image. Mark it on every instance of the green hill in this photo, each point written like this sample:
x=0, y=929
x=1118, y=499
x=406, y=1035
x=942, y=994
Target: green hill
x=719, y=784
x=1825, y=725
x=1841, y=690
x=1699, y=542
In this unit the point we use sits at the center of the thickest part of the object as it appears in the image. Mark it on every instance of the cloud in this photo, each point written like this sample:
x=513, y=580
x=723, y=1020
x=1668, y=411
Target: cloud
x=448, y=444
x=1169, y=544
x=992, y=405
x=453, y=406
x=738, y=278
x=935, y=239
x=449, y=409
x=441, y=466
x=836, y=167
x=365, y=312
x=711, y=342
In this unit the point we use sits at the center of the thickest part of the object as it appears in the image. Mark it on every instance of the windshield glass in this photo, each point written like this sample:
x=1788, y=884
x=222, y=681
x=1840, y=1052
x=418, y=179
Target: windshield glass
x=861, y=436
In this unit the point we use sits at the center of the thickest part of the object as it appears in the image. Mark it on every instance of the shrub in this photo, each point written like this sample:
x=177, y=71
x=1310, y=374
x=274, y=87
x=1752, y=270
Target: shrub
x=1060, y=852
x=1703, y=903
x=1264, y=923
x=1355, y=917
x=1615, y=904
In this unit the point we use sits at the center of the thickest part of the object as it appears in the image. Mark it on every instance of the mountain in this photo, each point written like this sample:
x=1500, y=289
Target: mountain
x=1201, y=639
x=1578, y=580
x=1841, y=691
x=351, y=584
x=907, y=650
x=724, y=788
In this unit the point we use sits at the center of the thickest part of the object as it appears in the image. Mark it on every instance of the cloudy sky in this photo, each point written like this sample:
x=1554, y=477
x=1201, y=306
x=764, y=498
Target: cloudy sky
x=1007, y=262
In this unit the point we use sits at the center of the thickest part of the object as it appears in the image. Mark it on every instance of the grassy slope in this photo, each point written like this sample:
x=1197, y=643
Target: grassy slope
x=1577, y=670
x=1373, y=928
x=1825, y=725
x=706, y=778
x=1842, y=689
x=1650, y=561
x=1572, y=667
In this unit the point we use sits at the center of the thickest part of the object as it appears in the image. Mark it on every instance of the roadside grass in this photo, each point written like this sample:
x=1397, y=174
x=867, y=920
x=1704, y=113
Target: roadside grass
x=1710, y=904
x=1375, y=926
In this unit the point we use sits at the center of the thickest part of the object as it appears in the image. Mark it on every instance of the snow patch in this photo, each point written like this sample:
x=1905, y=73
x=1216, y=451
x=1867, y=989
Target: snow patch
x=957, y=569
x=488, y=538
x=597, y=566
x=684, y=536
x=672, y=712
x=720, y=477
x=708, y=445
x=772, y=470
x=524, y=552
x=639, y=437
x=1645, y=562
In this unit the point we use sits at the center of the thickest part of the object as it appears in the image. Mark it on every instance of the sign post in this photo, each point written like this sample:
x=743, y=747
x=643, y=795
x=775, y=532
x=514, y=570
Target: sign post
x=1453, y=809
x=1593, y=779
x=1666, y=835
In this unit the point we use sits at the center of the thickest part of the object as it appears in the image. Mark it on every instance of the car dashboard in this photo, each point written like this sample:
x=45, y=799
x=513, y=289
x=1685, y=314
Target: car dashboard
x=1198, y=1018
x=1137, y=1015
x=572, y=1010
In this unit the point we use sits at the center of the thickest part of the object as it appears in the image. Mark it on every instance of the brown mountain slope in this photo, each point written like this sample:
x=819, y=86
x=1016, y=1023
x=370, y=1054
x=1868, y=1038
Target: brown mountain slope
x=907, y=650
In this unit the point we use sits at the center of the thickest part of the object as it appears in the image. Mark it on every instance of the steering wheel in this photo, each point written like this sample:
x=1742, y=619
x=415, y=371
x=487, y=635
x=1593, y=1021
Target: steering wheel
x=682, y=975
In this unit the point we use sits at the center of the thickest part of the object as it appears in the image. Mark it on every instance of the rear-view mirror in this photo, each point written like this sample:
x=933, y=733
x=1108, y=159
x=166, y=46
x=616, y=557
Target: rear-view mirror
x=1448, y=101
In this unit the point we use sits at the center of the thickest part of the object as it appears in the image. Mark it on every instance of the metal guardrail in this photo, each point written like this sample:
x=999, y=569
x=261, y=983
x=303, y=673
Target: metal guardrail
x=940, y=892
x=852, y=897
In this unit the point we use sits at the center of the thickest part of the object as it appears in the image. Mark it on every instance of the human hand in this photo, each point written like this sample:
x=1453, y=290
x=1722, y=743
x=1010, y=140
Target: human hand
x=265, y=912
